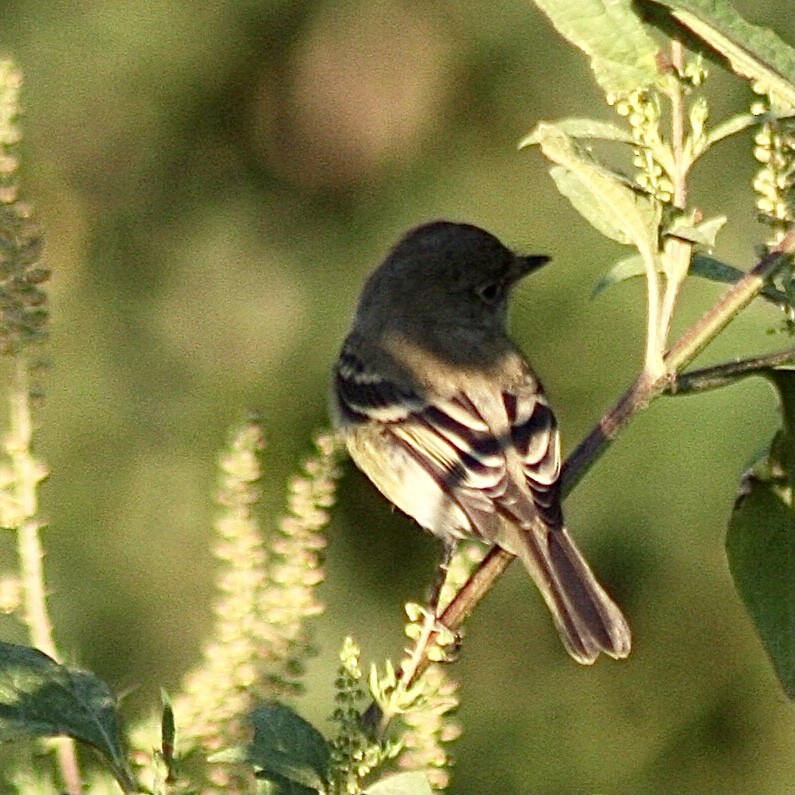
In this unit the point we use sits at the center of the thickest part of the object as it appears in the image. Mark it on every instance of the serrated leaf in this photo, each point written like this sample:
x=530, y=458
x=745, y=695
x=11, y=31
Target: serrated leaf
x=287, y=748
x=623, y=55
x=41, y=698
x=410, y=783
x=605, y=199
x=752, y=52
x=589, y=129
x=760, y=541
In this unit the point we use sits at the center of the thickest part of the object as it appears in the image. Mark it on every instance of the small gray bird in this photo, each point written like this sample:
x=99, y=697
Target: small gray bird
x=442, y=412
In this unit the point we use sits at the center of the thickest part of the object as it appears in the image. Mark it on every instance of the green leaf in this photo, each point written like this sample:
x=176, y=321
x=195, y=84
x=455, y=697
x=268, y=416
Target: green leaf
x=605, y=199
x=714, y=270
x=701, y=234
x=410, y=783
x=701, y=265
x=288, y=750
x=41, y=698
x=759, y=546
x=235, y=754
x=732, y=126
x=782, y=450
x=588, y=204
x=755, y=53
x=588, y=128
x=760, y=541
x=623, y=55
x=624, y=269
x=168, y=731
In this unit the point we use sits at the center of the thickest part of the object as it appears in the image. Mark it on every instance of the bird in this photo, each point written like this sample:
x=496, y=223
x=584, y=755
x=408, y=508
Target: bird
x=444, y=414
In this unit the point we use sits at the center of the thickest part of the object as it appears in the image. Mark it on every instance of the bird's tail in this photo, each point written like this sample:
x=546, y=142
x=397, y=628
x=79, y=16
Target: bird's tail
x=588, y=620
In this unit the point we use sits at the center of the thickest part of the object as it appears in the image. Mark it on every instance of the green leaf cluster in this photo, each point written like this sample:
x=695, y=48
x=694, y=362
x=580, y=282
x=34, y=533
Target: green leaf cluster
x=752, y=52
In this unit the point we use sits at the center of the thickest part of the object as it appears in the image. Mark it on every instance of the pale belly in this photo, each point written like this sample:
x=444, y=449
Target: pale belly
x=407, y=484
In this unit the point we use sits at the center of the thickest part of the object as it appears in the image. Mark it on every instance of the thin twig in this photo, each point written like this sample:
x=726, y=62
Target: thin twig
x=467, y=599
x=464, y=602
x=722, y=374
x=677, y=252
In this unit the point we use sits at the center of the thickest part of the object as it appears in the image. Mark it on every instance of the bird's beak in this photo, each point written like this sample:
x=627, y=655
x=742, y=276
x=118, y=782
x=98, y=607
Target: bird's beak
x=530, y=263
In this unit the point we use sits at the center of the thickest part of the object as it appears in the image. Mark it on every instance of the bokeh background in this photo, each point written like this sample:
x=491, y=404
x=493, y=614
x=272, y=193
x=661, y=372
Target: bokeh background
x=215, y=179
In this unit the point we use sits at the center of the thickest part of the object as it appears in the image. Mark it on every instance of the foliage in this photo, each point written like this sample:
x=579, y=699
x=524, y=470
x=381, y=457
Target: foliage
x=653, y=216
x=228, y=728
x=760, y=543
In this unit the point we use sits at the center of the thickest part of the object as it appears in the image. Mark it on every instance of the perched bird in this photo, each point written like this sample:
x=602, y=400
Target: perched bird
x=443, y=413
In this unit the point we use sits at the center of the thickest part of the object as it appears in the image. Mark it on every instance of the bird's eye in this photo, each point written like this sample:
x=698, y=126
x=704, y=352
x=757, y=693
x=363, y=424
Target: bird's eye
x=491, y=292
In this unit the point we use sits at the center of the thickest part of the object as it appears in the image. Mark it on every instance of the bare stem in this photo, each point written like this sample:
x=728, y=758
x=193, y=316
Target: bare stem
x=468, y=597
x=28, y=473
x=463, y=603
x=677, y=252
x=678, y=126
x=723, y=374
x=653, y=355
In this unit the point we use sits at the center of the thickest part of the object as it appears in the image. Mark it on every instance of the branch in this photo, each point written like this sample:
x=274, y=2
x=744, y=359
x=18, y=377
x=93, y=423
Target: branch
x=636, y=398
x=681, y=353
x=727, y=373
x=714, y=320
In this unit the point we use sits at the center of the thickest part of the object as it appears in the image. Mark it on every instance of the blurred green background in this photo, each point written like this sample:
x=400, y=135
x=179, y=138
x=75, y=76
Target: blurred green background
x=215, y=179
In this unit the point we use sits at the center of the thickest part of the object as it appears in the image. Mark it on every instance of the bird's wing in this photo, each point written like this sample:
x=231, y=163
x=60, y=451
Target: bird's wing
x=535, y=438
x=452, y=440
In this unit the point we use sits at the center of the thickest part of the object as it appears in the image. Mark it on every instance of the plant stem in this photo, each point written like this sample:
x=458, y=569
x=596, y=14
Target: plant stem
x=28, y=473
x=736, y=298
x=722, y=374
x=652, y=358
x=26, y=479
x=678, y=126
x=454, y=615
x=676, y=255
